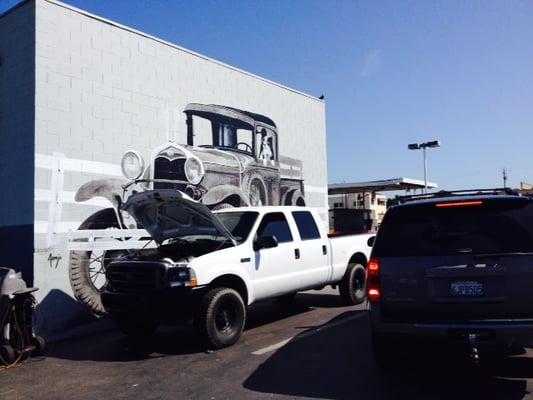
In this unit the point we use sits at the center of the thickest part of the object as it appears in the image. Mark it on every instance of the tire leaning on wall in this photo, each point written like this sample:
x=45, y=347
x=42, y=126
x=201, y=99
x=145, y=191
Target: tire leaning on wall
x=82, y=264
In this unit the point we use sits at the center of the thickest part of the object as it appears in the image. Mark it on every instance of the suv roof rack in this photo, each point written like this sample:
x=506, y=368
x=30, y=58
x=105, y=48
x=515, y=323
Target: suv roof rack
x=452, y=193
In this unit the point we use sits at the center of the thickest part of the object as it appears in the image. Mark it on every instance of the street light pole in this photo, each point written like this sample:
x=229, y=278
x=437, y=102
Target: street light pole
x=425, y=171
x=423, y=146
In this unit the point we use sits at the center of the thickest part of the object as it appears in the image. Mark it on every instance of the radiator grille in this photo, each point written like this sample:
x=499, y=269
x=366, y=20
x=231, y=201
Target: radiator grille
x=135, y=276
x=172, y=170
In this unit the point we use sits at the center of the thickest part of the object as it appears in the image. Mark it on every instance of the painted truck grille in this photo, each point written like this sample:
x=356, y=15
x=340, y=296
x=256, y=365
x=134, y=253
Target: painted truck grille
x=135, y=277
x=173, y=170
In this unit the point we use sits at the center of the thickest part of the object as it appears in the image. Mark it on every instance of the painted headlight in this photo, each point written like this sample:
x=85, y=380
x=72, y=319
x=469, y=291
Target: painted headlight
x=194, y=170
x=132, y=164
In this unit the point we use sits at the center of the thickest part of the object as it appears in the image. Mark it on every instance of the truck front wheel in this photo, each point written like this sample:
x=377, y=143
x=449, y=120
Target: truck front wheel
x=220, y=318
x=352, y=288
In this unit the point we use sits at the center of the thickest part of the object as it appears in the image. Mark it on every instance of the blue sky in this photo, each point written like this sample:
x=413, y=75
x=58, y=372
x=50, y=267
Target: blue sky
x=393, y=72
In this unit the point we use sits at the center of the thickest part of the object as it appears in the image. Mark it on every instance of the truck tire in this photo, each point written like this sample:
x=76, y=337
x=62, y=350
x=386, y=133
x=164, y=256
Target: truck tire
x=87, y=270
x=295, y=198
x=220, y=318
x=256, y=190
x=352, y=288
x=135, y=327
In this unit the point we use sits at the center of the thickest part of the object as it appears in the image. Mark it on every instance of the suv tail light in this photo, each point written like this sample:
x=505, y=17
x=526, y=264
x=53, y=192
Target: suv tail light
x=373, y=288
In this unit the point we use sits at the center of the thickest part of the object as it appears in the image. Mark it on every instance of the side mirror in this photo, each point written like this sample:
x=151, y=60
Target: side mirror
x=265, y=242
x=370, y=241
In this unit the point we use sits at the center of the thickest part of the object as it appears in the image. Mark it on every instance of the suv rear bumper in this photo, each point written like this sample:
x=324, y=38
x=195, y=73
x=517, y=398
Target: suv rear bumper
x=500, y=333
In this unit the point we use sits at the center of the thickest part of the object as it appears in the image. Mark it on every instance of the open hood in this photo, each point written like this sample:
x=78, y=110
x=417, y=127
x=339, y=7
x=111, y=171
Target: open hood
x=168, y=214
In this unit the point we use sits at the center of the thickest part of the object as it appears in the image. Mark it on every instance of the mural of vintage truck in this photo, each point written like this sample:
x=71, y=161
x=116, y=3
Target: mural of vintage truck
x=231, y=159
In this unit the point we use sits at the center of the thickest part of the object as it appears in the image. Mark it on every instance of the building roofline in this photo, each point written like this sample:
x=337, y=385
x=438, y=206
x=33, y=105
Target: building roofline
x=394, y=184
x=166, y=43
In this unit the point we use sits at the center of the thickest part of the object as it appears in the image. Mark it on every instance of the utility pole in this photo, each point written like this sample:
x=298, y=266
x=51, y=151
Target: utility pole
x=504, y=172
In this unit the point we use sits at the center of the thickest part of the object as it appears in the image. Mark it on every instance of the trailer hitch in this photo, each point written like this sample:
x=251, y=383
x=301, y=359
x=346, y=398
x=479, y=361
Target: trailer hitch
x=473, y=342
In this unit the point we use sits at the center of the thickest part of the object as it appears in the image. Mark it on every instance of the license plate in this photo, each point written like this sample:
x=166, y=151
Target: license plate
x=468, y=288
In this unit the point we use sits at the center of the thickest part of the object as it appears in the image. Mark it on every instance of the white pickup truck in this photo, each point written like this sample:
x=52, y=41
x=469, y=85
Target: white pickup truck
x=212, y=265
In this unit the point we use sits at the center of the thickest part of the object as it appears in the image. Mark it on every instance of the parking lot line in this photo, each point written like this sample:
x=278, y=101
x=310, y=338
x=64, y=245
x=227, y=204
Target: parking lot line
x=278, y=345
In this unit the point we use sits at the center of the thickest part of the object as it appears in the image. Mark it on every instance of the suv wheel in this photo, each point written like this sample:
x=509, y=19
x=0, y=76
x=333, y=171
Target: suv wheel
x=352, y=288
x=221, y=317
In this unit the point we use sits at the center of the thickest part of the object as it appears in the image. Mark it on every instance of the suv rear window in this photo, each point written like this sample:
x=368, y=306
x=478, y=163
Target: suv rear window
x=494, y=226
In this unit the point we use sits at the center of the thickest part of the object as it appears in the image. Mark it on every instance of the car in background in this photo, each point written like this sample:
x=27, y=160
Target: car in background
x=456, y=266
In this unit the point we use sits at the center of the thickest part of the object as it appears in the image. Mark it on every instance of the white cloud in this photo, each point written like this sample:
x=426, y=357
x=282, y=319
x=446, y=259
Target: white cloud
x=372, y=63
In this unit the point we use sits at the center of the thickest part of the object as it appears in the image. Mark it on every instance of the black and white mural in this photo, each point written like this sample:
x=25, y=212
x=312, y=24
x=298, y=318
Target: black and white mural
x=231, y=159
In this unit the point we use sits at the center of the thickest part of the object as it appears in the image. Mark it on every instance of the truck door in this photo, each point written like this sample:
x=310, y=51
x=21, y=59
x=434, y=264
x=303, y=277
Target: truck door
x=314, y=258
x=276, y=269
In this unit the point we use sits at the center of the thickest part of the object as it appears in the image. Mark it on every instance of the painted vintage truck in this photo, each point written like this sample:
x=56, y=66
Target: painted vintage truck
x=231, y=159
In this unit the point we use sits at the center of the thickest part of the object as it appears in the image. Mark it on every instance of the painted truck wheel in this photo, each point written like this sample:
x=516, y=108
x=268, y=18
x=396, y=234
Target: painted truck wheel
x=87, y=268
x=295, y=198
x=257, y=193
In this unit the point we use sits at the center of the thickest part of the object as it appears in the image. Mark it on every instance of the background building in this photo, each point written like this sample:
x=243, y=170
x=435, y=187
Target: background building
x=375, y=203
x=76, y=92
x=365, y=196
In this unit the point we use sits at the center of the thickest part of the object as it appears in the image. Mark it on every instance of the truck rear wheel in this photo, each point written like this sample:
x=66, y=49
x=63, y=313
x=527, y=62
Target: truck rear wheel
x=352, y=288
x=221, y=317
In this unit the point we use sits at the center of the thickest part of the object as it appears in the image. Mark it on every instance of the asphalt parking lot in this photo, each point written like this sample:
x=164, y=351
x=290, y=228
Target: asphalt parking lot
x=311, y=348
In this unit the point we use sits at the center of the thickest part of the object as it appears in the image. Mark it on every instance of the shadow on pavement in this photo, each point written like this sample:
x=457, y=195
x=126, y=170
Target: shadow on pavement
x=338, y=364
x=182, y=339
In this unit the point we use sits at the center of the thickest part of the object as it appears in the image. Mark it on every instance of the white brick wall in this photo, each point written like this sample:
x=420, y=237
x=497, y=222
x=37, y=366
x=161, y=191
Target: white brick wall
x=101, y=89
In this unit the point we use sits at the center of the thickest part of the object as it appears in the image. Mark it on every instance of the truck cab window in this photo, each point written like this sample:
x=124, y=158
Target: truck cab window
x=306, y=225
x=232, y=137
x=275, y=224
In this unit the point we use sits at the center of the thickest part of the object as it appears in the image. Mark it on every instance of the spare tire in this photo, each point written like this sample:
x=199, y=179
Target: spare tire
x=87, y=269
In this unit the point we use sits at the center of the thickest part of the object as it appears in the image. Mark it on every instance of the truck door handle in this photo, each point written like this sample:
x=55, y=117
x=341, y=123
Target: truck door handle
x=297, y=253
x=324, y=249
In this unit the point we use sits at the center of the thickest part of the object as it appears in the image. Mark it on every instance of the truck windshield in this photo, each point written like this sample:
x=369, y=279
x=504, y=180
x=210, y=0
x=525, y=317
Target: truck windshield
x=221, y=135
x=238, y=223
x=492, y=226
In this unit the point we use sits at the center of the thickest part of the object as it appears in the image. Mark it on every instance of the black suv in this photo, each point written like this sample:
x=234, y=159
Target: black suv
x=455, y=265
